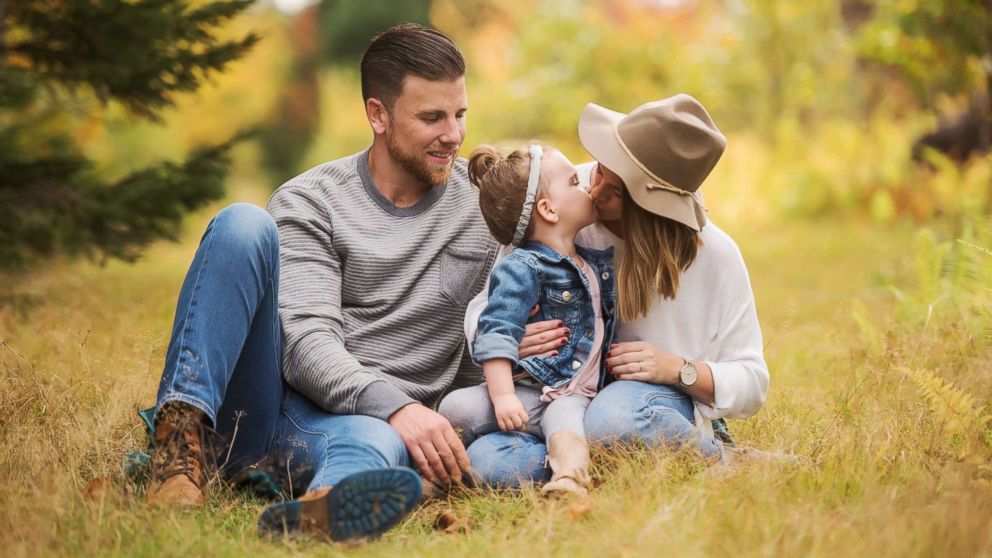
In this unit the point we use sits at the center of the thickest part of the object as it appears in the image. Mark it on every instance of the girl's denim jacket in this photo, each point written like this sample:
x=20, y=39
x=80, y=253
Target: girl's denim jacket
x=535, y=274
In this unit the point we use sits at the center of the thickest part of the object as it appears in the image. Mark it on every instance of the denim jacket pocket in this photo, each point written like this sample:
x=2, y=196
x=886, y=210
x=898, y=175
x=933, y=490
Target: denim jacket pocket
x=565, y=302
x=463, y=273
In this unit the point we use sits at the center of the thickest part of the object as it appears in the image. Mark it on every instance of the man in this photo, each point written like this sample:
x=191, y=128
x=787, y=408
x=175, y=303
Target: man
x=318, y=340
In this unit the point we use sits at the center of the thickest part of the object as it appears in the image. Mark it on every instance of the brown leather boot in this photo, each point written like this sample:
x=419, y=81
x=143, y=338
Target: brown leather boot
x=182, y=460
x=568, y=455
x=364, y=504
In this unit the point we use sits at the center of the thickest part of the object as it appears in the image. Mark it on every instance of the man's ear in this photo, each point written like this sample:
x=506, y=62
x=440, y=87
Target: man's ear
x=546, y=211
x=378, y=115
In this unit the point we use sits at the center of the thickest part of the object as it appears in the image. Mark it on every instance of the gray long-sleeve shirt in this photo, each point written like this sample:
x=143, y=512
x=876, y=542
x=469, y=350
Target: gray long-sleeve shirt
x=372, y=296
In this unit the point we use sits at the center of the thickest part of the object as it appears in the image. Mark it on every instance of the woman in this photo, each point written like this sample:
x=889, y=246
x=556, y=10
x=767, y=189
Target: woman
x=688, y=351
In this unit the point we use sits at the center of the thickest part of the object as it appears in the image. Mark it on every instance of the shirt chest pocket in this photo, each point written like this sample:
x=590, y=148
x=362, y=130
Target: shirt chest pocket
x=463, y=273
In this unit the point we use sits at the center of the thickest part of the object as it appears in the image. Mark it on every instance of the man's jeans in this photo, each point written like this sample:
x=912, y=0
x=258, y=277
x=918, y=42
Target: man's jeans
x=225, y=359
x=623, y=412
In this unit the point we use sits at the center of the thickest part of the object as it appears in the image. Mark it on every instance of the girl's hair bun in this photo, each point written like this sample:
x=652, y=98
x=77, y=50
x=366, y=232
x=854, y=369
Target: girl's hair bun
x=482, y=160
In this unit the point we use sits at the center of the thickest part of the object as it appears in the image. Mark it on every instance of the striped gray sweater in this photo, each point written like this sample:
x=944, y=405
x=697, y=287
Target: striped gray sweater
x=372, y=296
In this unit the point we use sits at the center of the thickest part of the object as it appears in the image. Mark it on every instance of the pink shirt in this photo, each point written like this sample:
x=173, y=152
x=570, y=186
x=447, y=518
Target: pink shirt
x=586, y=381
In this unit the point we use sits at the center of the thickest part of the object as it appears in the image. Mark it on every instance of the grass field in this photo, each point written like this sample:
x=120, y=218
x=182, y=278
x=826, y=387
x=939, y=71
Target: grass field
x=863, y=326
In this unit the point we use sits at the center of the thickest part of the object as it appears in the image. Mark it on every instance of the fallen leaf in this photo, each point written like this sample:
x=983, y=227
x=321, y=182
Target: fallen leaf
x=448, y=522
x=97, y=489
x=580, y=508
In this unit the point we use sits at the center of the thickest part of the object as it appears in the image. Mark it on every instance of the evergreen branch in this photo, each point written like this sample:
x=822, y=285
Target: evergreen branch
x=49, y=206
x=139, y=53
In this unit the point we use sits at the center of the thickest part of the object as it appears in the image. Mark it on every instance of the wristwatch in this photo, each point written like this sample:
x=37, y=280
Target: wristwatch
x=687, y=374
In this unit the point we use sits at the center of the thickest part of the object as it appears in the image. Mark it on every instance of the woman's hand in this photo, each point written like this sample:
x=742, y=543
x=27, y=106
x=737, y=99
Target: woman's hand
x=643, y=362
x=510, y=413
x=543, y=338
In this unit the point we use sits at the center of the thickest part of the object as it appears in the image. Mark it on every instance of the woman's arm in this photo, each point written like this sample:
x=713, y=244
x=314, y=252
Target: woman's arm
x=733, y=377
x=643, y=362
x=740, y=374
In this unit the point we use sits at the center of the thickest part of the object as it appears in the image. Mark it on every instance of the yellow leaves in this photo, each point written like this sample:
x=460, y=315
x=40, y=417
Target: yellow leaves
x=882, y=207
x=958, y=411
x=927, y=262
x=860, y=313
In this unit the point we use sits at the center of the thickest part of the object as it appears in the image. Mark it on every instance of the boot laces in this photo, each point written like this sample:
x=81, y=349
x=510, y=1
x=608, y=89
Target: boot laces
x=190, y=449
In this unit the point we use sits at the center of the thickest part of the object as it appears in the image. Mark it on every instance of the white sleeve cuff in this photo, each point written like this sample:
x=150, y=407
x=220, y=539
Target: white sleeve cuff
x=738, y=390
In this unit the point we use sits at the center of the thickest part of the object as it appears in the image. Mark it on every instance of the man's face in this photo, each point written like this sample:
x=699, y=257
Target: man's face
x=426, y=127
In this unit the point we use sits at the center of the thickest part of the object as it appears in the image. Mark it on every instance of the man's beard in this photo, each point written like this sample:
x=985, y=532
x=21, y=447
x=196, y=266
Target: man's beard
x=416, y=165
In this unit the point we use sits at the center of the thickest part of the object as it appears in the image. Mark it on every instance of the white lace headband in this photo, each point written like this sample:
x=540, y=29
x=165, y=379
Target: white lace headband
x=536, y=153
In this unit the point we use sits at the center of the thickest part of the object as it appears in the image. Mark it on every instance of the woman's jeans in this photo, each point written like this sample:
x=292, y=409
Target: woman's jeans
x=225, y=356
x=623, y=412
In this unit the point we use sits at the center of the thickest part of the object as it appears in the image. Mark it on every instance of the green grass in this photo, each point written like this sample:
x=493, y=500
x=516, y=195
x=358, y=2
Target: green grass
x=895, y=468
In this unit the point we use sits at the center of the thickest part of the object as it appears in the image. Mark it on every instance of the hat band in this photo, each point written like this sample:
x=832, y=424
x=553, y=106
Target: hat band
x=536, y=152
x=667, y=188
x=662, y=184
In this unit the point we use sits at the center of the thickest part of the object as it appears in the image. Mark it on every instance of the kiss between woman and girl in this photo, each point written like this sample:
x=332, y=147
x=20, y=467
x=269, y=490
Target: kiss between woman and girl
x=617, y=312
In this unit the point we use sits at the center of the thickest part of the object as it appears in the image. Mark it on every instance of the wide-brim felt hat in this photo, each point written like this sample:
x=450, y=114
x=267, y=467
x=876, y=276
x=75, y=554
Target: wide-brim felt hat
x=662, y=150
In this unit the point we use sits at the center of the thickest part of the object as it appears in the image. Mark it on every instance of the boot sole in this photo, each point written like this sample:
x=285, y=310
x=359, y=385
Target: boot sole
x=365, y=504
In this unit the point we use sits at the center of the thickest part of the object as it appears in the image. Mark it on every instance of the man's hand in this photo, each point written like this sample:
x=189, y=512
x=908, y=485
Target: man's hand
x=543, y=338
x=510, y=413
x=432, y=443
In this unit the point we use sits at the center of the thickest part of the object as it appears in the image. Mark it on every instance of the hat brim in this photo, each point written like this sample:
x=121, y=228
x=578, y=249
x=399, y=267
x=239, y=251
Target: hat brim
x=597, y=132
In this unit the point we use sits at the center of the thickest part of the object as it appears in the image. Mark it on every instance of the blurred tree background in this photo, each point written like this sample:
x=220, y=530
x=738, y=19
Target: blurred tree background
x=864, y=109
x=63, y=63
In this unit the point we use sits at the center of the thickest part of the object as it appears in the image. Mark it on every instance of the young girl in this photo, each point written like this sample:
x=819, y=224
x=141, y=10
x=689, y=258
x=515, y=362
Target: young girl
x=532, y=200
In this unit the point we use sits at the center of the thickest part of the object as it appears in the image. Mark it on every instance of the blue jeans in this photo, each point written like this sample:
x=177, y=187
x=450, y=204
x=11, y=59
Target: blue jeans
x=225, y=358
x=623, y=412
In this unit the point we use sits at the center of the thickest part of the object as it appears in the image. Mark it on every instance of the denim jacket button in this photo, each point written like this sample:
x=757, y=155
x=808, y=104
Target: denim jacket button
x=566, y=296
x=576, y=365
x=606, y=275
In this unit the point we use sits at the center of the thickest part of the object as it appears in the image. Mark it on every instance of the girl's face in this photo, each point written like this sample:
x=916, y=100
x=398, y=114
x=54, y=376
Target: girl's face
x=606, y=189
x=572, y=204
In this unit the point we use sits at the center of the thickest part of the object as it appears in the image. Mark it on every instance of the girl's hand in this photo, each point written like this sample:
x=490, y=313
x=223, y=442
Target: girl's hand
x=643, y=362
x=510, y=413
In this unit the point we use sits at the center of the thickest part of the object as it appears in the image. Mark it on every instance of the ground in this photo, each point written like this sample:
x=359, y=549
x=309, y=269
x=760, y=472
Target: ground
x=896, y=464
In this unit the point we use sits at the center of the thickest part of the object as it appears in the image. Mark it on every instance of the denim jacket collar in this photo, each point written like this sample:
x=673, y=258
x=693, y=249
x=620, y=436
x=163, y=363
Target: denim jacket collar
x=596, y=257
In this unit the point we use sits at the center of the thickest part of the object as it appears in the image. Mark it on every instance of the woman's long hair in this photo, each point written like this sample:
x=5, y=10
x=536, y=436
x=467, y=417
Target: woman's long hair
x=656, y=251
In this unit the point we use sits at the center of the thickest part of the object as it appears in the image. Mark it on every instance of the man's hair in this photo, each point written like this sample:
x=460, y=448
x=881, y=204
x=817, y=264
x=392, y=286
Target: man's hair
x=502, y=183
x=407, y=49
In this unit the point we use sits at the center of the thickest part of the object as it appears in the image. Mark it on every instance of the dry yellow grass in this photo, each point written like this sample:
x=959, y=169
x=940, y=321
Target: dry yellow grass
x=81, y=348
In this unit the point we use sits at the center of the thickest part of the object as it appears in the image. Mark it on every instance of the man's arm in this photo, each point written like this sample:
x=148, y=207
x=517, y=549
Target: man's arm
x=315, y=360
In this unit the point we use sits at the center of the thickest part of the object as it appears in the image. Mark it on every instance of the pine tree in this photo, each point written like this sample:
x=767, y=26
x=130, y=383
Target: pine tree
x=139, y=53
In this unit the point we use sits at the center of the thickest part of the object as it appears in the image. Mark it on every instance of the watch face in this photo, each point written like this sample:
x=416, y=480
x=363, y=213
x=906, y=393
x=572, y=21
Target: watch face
x=688, y=374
